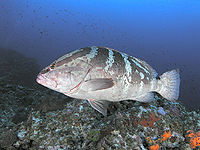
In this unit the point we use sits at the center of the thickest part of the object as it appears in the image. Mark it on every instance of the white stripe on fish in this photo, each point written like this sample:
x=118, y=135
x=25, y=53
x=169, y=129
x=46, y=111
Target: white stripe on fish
x=141, y=86
x=127, y=66
x=93, y=53
x=141, y=75
x=138, y=64
x=110, y=59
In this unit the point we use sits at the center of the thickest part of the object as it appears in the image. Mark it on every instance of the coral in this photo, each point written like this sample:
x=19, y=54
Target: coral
x=194, y=138
x=166, y=135
x=157, y=142
x=154, y=147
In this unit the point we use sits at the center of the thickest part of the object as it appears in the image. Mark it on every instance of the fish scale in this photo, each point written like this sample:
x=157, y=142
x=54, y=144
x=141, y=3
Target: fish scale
x=101, y=74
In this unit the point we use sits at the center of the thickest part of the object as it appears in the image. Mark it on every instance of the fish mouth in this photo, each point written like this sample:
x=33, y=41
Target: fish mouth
x=41, y=79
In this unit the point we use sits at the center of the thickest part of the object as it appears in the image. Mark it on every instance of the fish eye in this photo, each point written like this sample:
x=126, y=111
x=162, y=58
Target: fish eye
x=52, y=66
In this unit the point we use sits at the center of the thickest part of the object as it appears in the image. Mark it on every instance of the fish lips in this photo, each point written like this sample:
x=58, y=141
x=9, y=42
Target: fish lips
x=41, y=79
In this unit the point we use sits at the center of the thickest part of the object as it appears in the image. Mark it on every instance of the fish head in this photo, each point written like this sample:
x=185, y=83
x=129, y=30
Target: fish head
x=63, y=78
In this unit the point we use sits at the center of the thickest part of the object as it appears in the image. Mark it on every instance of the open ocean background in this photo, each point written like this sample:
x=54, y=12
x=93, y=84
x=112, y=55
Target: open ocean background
x=164, y=33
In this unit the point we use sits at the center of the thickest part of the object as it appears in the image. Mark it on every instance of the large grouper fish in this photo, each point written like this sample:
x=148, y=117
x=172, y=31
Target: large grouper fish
x=101, y=74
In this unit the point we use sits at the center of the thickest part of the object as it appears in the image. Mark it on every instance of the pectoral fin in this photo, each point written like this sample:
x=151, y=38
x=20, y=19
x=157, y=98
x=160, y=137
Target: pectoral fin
x=97, y=84
x=100, y=105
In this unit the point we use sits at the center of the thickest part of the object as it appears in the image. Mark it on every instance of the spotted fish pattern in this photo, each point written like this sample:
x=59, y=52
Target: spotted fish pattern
x=101, y=74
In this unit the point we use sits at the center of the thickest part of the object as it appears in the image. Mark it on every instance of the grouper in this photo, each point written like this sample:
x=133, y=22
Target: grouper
x=101, y=74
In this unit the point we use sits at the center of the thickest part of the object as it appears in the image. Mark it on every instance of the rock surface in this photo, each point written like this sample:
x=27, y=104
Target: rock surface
x=43, y=119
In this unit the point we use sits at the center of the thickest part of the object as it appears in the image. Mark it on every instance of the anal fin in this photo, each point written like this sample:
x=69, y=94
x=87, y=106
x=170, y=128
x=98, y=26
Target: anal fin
x=100, y=105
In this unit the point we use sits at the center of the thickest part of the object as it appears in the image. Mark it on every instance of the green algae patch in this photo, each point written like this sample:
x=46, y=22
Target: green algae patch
x=93, y=135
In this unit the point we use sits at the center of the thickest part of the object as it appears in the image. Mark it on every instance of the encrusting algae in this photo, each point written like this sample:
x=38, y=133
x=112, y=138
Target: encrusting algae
x=149, y=122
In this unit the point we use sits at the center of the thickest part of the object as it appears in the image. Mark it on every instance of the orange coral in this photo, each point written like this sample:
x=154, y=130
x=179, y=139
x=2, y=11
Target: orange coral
x=166, y=135
x=191, y=133
x=194, y=142
x=154, y=147
x=194, y=138
x=149, y=122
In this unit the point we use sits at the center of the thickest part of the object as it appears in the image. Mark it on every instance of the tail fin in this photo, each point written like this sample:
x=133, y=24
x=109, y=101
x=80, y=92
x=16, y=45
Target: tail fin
x=170, y=82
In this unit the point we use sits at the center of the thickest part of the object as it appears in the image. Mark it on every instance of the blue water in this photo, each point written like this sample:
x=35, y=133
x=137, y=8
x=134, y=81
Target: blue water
x=165, y=33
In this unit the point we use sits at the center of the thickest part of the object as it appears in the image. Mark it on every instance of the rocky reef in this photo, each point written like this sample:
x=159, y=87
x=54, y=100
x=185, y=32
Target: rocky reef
x=36, y=118
x=42, y=119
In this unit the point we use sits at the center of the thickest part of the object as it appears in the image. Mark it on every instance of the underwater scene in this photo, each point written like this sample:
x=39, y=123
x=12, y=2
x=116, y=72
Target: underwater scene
x=99, y=75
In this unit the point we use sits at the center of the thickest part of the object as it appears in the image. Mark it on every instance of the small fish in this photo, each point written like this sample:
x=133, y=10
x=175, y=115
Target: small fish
x=101, y=74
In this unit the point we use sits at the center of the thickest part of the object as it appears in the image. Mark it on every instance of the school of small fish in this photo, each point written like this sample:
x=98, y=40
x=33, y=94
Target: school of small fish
x=101, y=74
